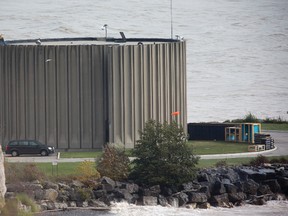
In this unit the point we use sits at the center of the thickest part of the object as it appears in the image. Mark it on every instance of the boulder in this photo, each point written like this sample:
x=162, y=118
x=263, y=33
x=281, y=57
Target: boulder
x=205, y=205
x=237, y=197
x=283, y=182
x=264, y=189
x=97, y=203
x=273, y=184
x=221, y=200
x=230, y=188
x=196, y=197
x=132, y=188
x=250, y=187
x=149, y=201
x=183, y=198
x=173, y=201
x=48, y=185
x=152, y=191
x=162, y=201
x=50, y=194
x=108, y=184
x=218, y=188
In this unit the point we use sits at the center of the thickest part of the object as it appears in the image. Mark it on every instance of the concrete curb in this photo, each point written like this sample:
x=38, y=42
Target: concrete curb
x=237, y=155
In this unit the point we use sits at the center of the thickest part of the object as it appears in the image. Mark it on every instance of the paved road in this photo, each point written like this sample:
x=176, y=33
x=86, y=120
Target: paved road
x=280, y=137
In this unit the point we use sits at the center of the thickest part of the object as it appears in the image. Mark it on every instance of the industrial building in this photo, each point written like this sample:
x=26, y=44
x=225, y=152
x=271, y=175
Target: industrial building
x=80, y=93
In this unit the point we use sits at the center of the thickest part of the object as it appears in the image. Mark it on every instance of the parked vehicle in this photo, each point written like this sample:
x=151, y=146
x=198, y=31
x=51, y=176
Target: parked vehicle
x=19, y=147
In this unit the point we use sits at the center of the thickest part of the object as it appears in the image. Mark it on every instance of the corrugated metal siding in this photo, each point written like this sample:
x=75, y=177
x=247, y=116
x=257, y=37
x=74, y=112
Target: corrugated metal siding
x=147, y=82
x=81, y=96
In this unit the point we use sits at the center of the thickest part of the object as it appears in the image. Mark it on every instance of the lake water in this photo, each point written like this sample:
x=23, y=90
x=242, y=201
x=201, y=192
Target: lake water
x=237, y=51
x=275, y=208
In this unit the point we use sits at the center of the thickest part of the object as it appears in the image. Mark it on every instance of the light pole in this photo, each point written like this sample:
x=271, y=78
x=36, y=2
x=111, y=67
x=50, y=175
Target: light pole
x=105, y=27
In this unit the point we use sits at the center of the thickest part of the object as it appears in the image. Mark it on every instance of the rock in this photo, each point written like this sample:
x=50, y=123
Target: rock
x=51, y=195
x=191, y=205
x=76, y=184
x=183, y=198
x=187, y=186
x=149, y=201
x=237, y=197
x=203, y=177
x=38, y=194
x=123, y=194
x=250, y=187
x=50, y=205
x=63, y=186
x=231, y=174
x=152, y=191
x=196, y=197
x=166, y=191
x=72, y=204
x=173, y=201
x=258, y=201
x=220, y=200
x=108, y=184
x=132, y=188
x=205, y=205
x=48, y=185
x=273, y=184
x=264, y=189
x=206, y=190
x=99, y=193
x=97, y=203
x=162, y=201
x=218, y=188
x=62, y=205
x=230, y=188
x=283, y=182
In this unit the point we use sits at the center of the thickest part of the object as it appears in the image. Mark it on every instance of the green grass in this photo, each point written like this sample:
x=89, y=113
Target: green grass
x=64, y=169
x=90, y=154
x=231, y=161
x=273, y=126
x=218, y=147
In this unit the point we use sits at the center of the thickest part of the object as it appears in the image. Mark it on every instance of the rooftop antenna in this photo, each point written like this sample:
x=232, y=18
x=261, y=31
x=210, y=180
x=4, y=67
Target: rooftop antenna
x=171, y=15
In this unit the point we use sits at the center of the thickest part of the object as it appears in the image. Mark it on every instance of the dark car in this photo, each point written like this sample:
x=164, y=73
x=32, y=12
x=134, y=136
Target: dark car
x=18, y=147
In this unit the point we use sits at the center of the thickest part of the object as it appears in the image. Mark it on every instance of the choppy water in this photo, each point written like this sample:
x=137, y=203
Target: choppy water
x=275, y=208
x=237, y=52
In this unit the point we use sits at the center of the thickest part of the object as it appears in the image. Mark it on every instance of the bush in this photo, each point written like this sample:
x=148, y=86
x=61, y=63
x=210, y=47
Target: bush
x=259, y=160
x=22, y=172
x=114, y=163
x=12, y=207
x=221, y=163
x=87, y=172
x=163, y=156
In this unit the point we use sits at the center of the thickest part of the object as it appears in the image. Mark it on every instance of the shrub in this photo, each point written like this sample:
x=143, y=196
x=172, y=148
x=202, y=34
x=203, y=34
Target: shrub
x=163, y=156
x=12, y=207
x=221, y=163
x=87, y=172
x=250, y=118
x=22, y=172
x=114, y=163
x=259, y=160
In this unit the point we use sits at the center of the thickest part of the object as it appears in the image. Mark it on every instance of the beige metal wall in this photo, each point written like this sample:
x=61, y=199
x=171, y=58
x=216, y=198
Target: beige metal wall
x=147, y=82
x=80, y=97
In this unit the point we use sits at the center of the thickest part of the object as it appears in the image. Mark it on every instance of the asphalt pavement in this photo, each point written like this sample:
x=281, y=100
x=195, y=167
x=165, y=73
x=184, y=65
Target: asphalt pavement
x=280, y=137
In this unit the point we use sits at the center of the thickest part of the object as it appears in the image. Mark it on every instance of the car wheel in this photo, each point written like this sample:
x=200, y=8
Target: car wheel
x=44, y=153
x=14, y=153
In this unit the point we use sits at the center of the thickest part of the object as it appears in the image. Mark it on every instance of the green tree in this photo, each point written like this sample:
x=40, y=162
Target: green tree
x=163, y=155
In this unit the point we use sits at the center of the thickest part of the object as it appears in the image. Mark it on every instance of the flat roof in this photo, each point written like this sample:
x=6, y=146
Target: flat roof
x=87, y=41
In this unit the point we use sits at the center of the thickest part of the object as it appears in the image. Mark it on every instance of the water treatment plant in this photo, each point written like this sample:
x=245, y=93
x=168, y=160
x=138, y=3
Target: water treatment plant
x=80, y=93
